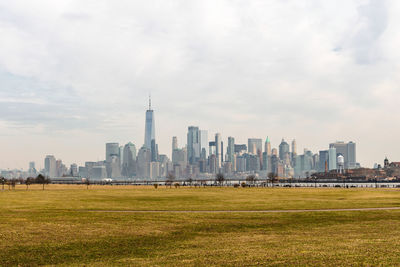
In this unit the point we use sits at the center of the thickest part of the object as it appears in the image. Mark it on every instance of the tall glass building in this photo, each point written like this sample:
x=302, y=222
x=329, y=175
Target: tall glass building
x=193, y=144
x=150, y=132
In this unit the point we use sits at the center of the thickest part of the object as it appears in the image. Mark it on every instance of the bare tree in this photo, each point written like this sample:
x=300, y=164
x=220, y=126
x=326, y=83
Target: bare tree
x=3, y=182
x=273, y=177
x=169, y=179
x=87, y=182
x=13, y=182
x=28, y=181
x=219, y=178
x=40, y=179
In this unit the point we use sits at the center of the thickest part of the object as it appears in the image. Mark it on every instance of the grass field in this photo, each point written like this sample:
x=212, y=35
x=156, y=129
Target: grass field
x=56, y=227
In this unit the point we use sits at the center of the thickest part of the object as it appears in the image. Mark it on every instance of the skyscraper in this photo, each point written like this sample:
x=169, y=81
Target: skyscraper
x=254, y=145
x=143, y=162
x=294, y=147
x=267, y=148
x=154, y=151
x=351, y=152
x=149, y=127
x=50, y=166
x=332, y=159
x=324, y=160
x=112, y=149
x=283, y=149
x=193, y=144
x=129, y=160
x=113, y=160
x=174, y=143
x=230, y=149
x=203, y=137
x=348, y=151
x=218, y=149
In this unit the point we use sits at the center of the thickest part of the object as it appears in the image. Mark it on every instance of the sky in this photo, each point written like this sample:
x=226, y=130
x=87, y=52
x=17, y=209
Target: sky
x=77, y=74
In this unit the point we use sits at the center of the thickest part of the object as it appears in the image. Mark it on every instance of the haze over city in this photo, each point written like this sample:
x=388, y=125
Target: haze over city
x=78, y=74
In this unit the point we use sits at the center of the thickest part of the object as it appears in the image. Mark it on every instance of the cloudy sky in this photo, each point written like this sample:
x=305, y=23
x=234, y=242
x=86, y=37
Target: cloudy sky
x=77, y=74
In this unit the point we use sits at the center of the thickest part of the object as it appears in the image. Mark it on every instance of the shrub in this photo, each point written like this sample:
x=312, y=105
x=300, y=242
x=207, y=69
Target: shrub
x=243, y=184
x=155, y=186
x=176, y=185
x=236, y=185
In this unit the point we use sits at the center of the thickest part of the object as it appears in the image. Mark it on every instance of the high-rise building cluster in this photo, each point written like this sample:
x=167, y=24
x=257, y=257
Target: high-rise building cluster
x=203, y=156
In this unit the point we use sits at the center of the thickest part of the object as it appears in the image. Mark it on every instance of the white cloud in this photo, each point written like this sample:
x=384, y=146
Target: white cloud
x=314, y=70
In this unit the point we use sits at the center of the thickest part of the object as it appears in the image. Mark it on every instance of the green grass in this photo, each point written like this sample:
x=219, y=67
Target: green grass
x=53, y=227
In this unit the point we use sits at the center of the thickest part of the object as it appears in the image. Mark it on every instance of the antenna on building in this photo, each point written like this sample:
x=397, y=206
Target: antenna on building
x=149, y=101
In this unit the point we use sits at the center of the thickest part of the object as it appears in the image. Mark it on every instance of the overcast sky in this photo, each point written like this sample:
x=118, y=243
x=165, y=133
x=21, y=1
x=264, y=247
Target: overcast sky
x=77, y=74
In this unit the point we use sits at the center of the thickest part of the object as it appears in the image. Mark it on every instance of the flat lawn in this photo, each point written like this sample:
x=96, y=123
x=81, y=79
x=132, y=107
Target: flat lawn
x=56, y=227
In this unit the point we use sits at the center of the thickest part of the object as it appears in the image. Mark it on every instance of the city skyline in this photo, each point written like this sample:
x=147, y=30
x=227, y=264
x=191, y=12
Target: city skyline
x=253, y=144
x=204, y=157
x=74, y=76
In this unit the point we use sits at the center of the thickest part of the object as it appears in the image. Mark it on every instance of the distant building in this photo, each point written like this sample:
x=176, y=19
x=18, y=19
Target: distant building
x=32, y=169
x=129, y=160
x=230, y=152
x=283, y=149
x=348, y=151
x=98, y=172
x=266, y=166
x=50, y=166
x=324, y=160
x=254, y=145
x=252, y=162
x=150, y=131
x=143, y=162
x=332, y=164
x=154, y=170
x=203, y=137
x=267, y=145
x=74, y=170
x=179, y=156
x=112, y=149
x=240, y=148
x=193, y=144
x=218, y=150
x=174, y=143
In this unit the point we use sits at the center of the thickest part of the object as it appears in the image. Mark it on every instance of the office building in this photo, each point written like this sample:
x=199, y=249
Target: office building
x=50, y=166
x=218, y=150
x=174, y=143
x=254, y=145
x=324, y=160
x=242, y=148
x=348, y=151
x=73, y=170
x=204, y=144
x=129, y=160
x=283, y=149
x=150, y=132
x=332, y=164
x=267, y=147
x=143, y=162
x=193, y=144
x=112, y=149
x=230, y=149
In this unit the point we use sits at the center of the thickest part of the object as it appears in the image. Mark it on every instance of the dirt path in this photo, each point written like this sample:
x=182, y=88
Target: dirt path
x=241, y=211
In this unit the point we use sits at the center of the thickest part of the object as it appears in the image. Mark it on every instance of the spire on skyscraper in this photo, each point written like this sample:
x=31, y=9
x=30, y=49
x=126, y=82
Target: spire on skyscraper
x=149, y=127
x=149, y=101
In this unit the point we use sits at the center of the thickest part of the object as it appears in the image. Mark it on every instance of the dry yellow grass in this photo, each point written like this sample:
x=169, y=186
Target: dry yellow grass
x=51, y=227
